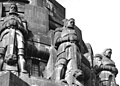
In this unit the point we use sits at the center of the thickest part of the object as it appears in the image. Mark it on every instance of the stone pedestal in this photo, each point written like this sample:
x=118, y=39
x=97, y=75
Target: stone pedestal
x=9, y=79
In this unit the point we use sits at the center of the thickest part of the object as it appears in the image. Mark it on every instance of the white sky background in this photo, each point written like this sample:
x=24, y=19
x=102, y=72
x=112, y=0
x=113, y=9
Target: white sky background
x=99, y=21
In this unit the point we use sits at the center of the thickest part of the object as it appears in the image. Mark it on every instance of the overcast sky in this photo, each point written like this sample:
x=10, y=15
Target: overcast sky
x=99, y=21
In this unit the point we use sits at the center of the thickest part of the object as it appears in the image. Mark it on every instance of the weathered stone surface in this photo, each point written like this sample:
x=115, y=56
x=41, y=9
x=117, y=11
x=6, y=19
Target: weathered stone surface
x=1, y=10
x=105, y=68
x=55, y=9
x=33, y=81
x=49, y=70
x=43, y=16
x=36, y=2
x=7, y=6
x=82, y=43
x=24, y=1
x=59, y=10
x=4, y=79
x=51, y=35
x=54, y=20
x=43, y=82
x=1, y=6
x=54, y=23
x=43, y=39
x=39, y=46
x=38, y=50
x=9, y=79
x=37, y=18
x=40, y=38
x=69, y=56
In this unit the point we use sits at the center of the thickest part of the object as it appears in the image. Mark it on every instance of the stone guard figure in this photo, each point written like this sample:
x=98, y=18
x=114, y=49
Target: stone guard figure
x=12, y=39
x=68, y=54
x=105, y=68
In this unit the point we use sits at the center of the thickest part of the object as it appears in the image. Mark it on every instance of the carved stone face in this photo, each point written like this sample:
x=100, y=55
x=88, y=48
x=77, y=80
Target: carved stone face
x=70, y=23
x=13, y=8
x=108, y=53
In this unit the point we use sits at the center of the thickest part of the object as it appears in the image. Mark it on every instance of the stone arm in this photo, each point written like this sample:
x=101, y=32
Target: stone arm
x=25, y=25
x=100, y=67
x=68, y=38
x=1, y=21
x=57, y=36
x=81, y=43
x=108, y=68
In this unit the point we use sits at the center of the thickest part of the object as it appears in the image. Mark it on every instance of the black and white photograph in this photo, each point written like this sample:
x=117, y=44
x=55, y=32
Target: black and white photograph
x=59, y=42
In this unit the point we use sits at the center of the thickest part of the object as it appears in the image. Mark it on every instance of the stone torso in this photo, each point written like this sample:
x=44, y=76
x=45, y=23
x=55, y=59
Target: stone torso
x=12, y=20
x=69, y=35
x=68, y=38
